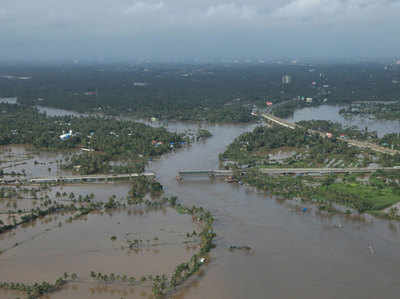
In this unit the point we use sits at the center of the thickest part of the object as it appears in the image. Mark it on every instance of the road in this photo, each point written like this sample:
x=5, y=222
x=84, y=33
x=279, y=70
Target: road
x=324, y=170
x=305, y=171
x=83, y=178
x=352, y=142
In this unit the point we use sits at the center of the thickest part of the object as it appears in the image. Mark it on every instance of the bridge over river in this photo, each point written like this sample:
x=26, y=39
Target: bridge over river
x=209, y=172
x=361, y=144
x=89, y=178
x=305, y=171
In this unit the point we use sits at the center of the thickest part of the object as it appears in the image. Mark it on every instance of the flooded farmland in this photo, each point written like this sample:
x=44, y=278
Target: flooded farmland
x=294, y=253
x=87, y=244
x=19, y=159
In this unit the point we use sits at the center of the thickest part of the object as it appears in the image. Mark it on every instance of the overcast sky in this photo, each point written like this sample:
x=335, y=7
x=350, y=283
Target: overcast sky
x=164, y=29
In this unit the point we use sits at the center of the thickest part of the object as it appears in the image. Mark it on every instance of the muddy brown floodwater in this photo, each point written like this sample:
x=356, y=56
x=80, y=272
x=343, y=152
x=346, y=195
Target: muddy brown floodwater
x=85, y=245
x=31, y=162
x=294, y=254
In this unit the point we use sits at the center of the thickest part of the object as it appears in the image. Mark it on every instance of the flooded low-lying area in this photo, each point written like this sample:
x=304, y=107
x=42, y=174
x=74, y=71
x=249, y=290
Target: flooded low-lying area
x=296, y=250
x=331, y=112
x=20, y=161
x=100, y=243
x=10, y=294
x=28, y=197
x=95, y=191
x=25, y=233
x=103, y=291
x=11, y=205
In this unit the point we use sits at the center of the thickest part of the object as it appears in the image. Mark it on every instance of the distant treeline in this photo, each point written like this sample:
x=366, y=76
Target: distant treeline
x=193, y=92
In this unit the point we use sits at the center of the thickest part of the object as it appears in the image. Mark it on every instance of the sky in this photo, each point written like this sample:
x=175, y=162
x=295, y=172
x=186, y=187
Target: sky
x=197, y=29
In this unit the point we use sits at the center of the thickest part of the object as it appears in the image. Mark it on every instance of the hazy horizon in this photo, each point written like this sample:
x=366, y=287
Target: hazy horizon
x=171, y=30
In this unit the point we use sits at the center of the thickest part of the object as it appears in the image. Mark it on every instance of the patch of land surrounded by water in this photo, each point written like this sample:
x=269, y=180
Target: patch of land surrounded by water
x=252, y=154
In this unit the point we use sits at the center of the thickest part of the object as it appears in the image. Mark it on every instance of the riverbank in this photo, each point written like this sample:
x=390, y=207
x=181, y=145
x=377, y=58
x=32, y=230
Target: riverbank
x=362, y=192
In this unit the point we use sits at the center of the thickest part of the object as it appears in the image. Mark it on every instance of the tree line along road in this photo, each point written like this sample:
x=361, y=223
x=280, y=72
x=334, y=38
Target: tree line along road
x=352, y=142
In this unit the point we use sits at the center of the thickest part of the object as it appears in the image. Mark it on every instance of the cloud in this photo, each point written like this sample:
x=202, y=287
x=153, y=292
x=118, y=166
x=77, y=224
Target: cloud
x=334, y=10
x=143, y=7
x=231, y=10
x=227, y=26
x=3, y=13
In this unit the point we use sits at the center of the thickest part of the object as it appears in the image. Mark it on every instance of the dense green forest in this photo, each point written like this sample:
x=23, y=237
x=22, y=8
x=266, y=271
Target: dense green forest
x=306, y=149
x=105, y=139
x=309, y=150
x=219, y=92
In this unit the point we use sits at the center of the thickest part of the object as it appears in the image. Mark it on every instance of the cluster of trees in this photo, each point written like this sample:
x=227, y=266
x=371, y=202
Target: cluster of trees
x=25, y=125
x=35, y=214
x=76, y=198
x=337, y=129
x=203, y=133
x=50, y=207
x=108, y=139
x=143, y=185
x=254, y=146
x=38, y=290
x=12, y=195
x=112, y=277
x=392, y=139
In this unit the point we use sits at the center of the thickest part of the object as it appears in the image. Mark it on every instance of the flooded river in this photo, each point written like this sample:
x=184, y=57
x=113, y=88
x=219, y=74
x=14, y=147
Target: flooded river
x=294, y=254
x=328, y=112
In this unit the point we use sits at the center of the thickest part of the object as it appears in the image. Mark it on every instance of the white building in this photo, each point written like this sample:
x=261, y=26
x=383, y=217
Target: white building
x=66, y=136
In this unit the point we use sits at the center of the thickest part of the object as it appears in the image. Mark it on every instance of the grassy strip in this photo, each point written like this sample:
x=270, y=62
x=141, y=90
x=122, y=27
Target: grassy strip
x=362, y=197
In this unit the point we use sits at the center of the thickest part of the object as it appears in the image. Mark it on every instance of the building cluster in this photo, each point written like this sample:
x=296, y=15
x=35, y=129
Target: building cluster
x=286, y=79
x=9, y=100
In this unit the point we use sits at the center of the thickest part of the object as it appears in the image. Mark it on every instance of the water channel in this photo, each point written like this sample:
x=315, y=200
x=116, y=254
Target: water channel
x=294, y=254
x=328, y=112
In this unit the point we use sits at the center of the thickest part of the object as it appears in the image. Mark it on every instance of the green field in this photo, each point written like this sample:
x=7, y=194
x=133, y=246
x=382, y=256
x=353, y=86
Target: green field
x=359, y=196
